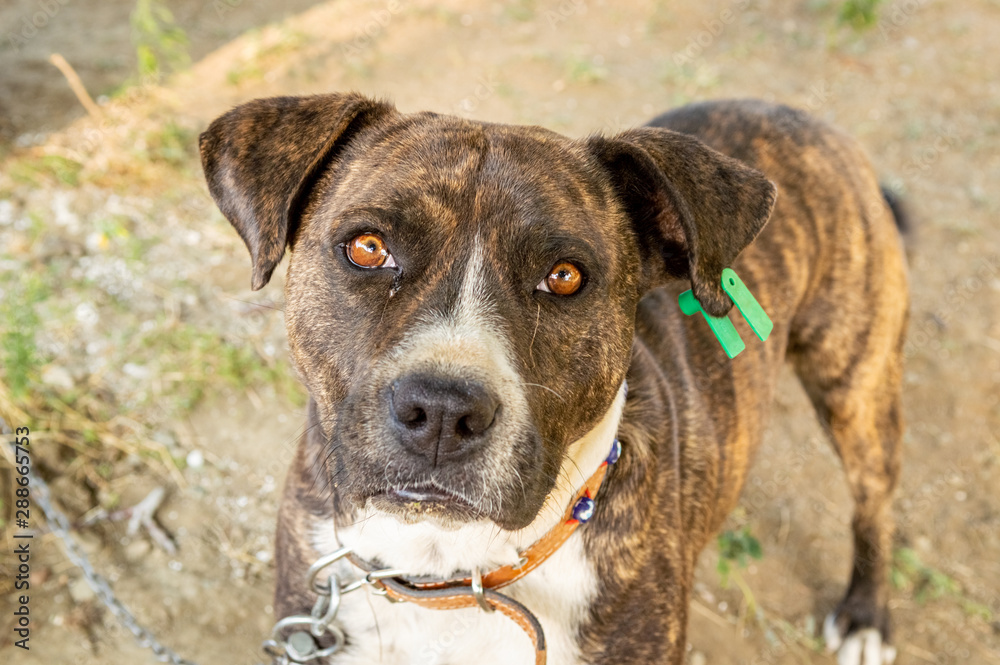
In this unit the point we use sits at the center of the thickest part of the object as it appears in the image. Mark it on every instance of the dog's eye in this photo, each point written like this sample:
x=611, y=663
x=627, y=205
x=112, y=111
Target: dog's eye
x=369, y=251
x=564, y=279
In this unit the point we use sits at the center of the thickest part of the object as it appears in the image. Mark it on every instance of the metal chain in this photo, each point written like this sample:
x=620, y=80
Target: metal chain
x=301, y=647
x=60, y=526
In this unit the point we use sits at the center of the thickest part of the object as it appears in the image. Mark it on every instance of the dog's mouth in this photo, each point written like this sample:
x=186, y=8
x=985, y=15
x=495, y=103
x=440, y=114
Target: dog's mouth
x=417, y=502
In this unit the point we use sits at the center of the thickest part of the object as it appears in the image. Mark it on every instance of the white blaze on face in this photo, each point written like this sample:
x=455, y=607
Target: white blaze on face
x=469, y=341
x=466, y=338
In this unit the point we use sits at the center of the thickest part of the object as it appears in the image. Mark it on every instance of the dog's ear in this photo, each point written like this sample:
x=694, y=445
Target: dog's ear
x=262, y=158
x=693, y=209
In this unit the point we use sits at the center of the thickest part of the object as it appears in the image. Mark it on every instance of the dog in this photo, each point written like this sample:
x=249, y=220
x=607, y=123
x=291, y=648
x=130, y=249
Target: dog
x=486, y=319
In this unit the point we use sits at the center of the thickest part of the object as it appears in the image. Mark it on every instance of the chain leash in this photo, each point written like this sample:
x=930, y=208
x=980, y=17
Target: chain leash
x=60, y=526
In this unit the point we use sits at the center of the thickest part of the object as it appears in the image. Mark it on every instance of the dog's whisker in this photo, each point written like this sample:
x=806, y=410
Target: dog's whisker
x=539, y=385
x=255, y=304
x=531, y=346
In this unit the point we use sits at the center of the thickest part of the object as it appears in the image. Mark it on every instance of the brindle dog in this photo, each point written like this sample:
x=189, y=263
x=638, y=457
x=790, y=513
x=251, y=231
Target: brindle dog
x=464, y=303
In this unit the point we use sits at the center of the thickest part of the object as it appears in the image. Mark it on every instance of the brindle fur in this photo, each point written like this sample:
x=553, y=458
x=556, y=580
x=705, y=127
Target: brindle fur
x=649, y=213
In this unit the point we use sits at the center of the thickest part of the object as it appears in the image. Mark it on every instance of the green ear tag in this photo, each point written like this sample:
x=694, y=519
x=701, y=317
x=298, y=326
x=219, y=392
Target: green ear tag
x=721, y=326
x=751, y=310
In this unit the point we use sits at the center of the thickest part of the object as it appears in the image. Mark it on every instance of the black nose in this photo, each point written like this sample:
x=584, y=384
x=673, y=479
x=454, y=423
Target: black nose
x=441, y=419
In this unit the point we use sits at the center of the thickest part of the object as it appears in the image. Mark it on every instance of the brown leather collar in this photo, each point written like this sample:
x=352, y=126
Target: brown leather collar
x=459, y=592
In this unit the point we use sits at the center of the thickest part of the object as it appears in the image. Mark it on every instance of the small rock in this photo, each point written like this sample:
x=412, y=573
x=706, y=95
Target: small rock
x=195, y=459
x=89, y=543
x=57, y=377
x=87, y=314
x=6, y=213
x=165, y=438
x=38, y=577
x=136, y=371
x=697, y=658
x=80, y=591
x=137, y=550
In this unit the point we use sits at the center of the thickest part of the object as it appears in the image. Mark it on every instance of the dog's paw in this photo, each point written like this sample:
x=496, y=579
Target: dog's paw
x=860, y=646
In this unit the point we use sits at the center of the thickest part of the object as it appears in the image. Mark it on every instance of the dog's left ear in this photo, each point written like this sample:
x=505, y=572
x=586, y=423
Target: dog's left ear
x=693, y=209
x=262, y=158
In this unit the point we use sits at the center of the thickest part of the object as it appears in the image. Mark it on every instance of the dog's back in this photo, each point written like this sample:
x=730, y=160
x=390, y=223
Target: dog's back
x=830, y=270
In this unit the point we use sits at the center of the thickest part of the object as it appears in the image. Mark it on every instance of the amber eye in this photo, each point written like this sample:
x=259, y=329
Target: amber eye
x=369, y=251
x=564, y=279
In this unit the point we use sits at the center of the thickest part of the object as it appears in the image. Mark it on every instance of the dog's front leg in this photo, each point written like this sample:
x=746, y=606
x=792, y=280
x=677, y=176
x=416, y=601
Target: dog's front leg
x=306, y=500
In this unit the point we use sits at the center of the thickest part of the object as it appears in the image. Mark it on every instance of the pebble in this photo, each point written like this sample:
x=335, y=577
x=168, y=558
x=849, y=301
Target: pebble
x=89, y=543
x=165, y=438
x=80, y=591
x=87, y=314
x=697, y=658
x=137, y=550
x=6, y=213
x=195, y=459
x=57, y=377
x=136, y=371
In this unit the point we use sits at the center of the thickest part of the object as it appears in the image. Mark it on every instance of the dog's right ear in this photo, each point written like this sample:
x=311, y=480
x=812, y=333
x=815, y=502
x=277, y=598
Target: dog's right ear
x=262, y=158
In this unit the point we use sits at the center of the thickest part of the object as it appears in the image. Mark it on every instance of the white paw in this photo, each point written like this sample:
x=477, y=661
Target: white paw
x=862, y=647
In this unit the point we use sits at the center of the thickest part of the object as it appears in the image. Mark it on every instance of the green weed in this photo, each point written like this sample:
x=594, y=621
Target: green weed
x=736, y=547
x=927, y=583
x=159, y=42
x=19, y=323
x=171, y=144
x=36, y=171
x=583, y=70
x=859, y=14
x=264, y=56
x=521, y=10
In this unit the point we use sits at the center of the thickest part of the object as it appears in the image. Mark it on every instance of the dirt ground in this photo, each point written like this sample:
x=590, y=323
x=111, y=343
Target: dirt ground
x=146, y=288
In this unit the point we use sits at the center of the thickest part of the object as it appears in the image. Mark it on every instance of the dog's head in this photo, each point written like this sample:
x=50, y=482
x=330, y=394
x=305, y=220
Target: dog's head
x=461, y=295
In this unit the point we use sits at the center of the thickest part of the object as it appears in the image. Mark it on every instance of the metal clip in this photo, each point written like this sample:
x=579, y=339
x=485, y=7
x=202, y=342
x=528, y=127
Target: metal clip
x=325, y=609
x=321, y=563
x=374, y=579
x=301, y=647
x=478, y=592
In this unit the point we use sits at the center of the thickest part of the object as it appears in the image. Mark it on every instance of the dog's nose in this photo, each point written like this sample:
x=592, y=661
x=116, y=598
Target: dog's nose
x=442, y=419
